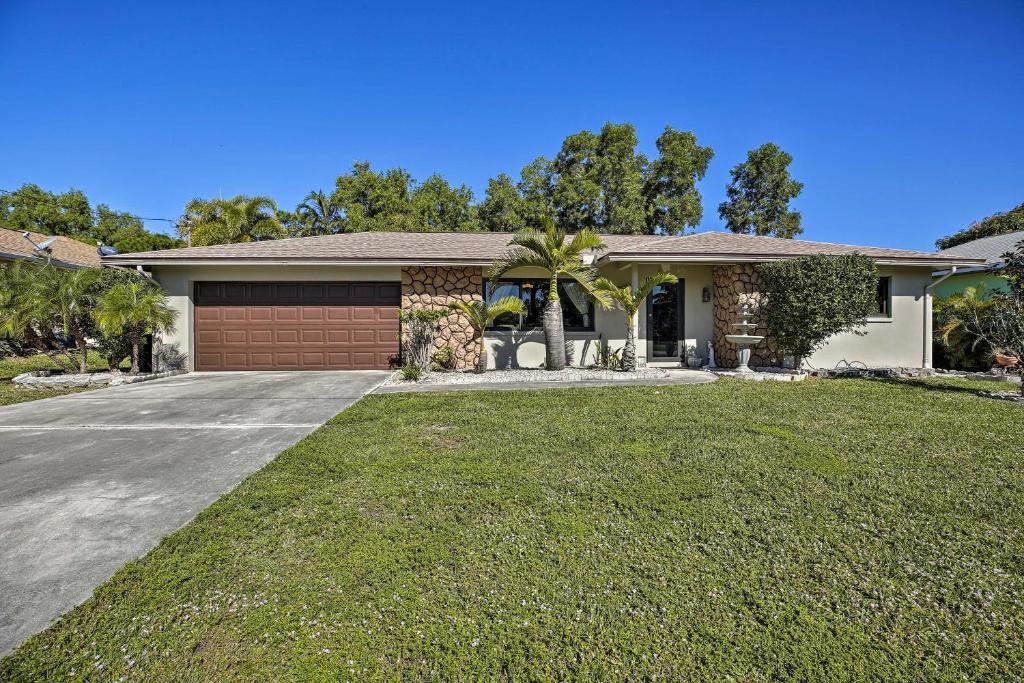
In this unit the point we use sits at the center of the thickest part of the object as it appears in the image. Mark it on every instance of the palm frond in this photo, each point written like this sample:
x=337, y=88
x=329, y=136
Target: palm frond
x=504, y=306
x=582, y=241
x=517, y=257
x=656, y=280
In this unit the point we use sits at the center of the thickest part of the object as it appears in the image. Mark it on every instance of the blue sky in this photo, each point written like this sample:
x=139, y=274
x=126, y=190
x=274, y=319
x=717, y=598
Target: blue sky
x=905, y=119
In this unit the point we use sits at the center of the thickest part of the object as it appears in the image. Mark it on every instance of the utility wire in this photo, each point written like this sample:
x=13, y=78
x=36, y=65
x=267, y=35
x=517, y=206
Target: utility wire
x=93, y=212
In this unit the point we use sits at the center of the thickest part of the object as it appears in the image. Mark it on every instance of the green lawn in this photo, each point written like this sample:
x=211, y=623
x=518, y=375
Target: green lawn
x=824, y=530
x=13, y=366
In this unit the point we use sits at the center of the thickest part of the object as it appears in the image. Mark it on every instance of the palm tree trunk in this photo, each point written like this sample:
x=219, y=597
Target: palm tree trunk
x=83, y=358
x=481, y=357
x=554, y=336
x=629, y=350
x=135, y=356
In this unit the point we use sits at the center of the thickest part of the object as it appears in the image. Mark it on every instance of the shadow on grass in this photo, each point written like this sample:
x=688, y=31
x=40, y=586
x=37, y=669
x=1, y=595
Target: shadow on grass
x=960, y=387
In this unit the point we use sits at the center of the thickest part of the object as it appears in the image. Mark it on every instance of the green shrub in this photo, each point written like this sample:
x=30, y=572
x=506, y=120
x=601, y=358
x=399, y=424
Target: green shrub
x=411, y=372
x=812, y=298
x=443, y=359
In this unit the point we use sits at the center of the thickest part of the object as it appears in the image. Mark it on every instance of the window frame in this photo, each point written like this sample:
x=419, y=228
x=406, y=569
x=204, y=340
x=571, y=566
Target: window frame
x=887, y=313
x=539, y=283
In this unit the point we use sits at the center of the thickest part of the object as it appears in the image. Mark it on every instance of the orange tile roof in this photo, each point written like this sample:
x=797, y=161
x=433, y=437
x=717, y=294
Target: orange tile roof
x=63, y=249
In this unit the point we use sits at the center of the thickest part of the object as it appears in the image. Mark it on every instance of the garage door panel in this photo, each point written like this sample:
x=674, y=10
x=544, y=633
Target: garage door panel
x=296, y=326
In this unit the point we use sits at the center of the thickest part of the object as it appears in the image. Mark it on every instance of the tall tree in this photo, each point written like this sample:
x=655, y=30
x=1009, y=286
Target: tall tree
x=759, y=195
x=439, y=207
x=598, y=181
x=503, y=208
x=69, y=214
x=228, y=221
x=32, y=208
x=996, y=224
x=375, y=201
x=670, y=182
x=318, y=214
x=550, y=252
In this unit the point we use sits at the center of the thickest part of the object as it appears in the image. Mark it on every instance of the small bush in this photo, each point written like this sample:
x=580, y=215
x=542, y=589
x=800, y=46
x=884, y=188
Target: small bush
x=443, y=359
x=411, y=372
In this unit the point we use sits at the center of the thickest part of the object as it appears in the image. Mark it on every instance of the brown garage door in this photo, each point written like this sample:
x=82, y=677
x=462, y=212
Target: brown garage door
x=296, y=325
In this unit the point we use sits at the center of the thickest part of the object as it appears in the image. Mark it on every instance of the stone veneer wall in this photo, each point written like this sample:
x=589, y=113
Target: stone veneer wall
x=434, y=287
x=736, y=285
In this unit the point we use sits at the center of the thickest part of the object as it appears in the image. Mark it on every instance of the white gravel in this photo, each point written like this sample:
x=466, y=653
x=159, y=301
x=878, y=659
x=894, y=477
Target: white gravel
x=529, y=375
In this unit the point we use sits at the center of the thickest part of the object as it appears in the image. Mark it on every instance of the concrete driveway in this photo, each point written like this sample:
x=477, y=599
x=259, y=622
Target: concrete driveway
x=92, y=480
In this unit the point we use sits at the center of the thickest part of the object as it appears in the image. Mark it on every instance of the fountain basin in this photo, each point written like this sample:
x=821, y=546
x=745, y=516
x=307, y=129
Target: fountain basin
x=744, y=339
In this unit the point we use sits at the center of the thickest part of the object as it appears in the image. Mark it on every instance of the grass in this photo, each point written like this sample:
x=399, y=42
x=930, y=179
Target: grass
x=825, y=530
x=13, y=366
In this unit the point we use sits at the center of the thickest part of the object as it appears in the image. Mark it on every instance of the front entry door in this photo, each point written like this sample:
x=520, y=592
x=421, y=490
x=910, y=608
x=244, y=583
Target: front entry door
x=665, y=322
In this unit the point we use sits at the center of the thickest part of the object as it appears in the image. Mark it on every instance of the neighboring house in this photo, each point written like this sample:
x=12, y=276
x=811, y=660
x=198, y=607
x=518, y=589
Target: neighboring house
x=333, y=302
x=991, y=249
x=63, y=252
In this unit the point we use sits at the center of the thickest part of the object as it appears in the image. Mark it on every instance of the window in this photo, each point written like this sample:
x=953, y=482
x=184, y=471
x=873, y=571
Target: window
x=577, y=308
x=883, y=298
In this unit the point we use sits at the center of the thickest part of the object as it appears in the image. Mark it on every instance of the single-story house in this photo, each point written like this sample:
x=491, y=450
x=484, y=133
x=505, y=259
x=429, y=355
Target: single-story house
x=991, y=249
x=333, y=302
x=63, y=252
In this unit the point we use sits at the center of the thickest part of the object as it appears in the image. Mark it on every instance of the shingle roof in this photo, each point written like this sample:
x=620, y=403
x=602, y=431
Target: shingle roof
x=727, y=244
x=484, y=247
x=63, y=249
x=989, y=248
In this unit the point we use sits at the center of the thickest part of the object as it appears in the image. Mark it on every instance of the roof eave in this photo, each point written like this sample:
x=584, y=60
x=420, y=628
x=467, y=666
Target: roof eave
x=756, y=258
x=128, y=260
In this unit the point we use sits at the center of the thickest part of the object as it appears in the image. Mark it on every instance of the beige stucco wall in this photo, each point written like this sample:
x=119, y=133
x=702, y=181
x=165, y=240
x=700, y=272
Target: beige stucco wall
x=177, y=281
x=895, y=342
x=526, y=349
x=892, y=342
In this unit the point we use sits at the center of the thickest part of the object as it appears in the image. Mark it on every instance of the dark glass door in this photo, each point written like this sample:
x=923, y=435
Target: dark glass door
x=665, y=321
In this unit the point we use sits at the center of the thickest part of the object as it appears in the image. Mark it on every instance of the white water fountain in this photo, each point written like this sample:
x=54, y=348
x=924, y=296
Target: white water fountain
x=744, y=340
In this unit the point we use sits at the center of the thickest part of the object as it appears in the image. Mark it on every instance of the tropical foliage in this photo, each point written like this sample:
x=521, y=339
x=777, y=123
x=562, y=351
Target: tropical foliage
x=558, y=257
x=49, y=308
x=481, y=314
x=811, y=298
x=996, y=224
x=133, y=310
x=629, y=302
x=418, y=328
x=759, y=195
x=997, y=320
x=69, y=214
x=228, y=221
x=960, y=347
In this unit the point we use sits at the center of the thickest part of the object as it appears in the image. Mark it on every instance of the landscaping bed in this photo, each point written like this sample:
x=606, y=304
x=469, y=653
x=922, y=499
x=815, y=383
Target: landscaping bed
x=520, y=375
x=12, y=366
x=821, y=530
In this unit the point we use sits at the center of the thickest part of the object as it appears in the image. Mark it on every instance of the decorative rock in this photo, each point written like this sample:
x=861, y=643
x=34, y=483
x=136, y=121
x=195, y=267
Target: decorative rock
x=433, y=288
x=32, y=380
x=736, y=285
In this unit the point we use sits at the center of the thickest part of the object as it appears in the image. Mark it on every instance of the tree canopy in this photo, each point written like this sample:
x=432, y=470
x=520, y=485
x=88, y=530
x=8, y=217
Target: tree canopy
x=759, y=195
x=599, y=182
x=996, y=224
x=69, y=214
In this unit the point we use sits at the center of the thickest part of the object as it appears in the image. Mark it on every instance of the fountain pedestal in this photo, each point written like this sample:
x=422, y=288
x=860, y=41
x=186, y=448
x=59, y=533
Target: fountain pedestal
x=744, y=340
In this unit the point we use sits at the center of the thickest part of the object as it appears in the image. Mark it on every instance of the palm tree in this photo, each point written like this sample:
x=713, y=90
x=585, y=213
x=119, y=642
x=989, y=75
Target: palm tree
x=19, y=309
x=134, y=309
x=630, y=303
x=66, y=298
x=229, y=221
x=319, y=215
x=550, y=252
x=481, y=315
